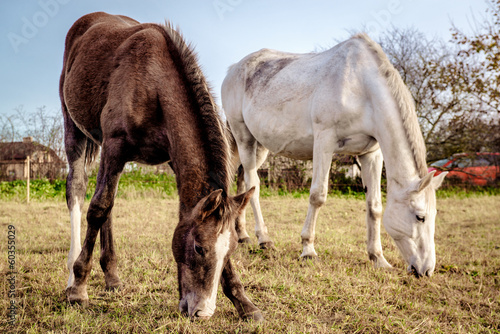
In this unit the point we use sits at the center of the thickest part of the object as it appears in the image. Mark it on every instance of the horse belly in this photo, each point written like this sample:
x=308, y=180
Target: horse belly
x=284, y=134
x=356, y=144
x=299, y=149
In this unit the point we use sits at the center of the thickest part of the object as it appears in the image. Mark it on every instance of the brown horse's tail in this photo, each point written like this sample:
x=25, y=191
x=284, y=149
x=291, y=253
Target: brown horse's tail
x=91, y=152
x=91, y=148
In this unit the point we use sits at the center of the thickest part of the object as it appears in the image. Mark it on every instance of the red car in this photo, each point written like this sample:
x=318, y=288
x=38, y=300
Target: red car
x=478, y=168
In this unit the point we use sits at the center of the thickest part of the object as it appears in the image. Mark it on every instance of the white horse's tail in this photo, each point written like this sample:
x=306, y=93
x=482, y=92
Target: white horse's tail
x=233, y=147
x=405, y=102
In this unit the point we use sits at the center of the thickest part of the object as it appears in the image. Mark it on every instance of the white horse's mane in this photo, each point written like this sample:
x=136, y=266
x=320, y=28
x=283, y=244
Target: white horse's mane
x=405, y=102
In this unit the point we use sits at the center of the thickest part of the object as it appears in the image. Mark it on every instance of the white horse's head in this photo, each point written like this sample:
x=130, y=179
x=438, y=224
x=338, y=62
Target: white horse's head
x=410, y=218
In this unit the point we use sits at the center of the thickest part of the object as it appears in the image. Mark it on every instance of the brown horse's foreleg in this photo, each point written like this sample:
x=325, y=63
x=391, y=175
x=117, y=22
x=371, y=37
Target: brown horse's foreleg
x=98, y=216
x=233, y=289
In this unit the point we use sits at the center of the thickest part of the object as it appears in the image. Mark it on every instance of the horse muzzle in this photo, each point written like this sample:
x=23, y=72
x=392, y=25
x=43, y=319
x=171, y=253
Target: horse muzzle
x=195, y=309
x=425, y=269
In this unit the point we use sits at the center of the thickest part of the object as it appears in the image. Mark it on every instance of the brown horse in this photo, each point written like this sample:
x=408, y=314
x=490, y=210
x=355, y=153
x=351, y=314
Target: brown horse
x=137, y=91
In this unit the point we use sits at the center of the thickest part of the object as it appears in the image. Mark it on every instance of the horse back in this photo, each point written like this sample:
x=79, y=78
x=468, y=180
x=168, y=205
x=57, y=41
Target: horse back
x=283, y=98
x=113, y=67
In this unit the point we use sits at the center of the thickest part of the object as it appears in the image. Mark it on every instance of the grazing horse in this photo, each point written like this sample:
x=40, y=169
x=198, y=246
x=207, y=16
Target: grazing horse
x=137, y=91
x=347, y=100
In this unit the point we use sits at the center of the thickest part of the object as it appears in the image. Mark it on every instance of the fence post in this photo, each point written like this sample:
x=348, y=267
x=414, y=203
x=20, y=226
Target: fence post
x=28, y=181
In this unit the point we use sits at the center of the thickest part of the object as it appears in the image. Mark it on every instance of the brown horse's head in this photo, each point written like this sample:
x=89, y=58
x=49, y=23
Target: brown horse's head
x=202, y=244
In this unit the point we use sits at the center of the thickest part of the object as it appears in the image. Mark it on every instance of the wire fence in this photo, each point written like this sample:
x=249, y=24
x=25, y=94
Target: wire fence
x=11, y=170
x=142, y=180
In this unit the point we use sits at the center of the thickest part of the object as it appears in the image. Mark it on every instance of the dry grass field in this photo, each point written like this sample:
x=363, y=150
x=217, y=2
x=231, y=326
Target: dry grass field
x=339, y=293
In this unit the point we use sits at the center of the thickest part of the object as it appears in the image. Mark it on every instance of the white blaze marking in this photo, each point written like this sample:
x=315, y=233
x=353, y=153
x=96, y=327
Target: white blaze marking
x=221, y=249
x=75, y=248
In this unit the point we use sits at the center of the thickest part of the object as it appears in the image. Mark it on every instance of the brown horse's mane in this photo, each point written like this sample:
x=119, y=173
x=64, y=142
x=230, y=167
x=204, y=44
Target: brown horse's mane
x=211, y=125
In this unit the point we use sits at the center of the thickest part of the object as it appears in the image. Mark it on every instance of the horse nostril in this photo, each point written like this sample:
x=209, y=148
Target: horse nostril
x=414, y=271
x=183, y=307
x=200, y=315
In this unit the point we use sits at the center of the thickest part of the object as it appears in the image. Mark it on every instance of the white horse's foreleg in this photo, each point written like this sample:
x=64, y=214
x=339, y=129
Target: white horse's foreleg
x=322, y=159
x=371, y=170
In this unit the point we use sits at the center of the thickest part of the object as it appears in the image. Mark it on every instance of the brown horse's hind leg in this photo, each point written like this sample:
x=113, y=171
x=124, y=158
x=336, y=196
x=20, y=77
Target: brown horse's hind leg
x=108, y=257
x=76, y=144
x=99, y=216
x=233, y=289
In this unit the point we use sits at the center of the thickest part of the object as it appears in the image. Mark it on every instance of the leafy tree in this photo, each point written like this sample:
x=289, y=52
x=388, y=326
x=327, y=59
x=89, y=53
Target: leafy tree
x=424, y=65
x=454, y=85
x=478, y=70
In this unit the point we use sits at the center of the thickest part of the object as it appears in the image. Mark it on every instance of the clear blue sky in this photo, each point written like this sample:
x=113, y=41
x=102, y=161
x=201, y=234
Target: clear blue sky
x=32, y=32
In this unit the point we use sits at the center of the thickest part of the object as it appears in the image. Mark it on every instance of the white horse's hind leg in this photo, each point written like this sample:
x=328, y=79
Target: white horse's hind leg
x=241, y=222
x=322, y=159
x=252, y=155
x=371, y=169
x=261, y=155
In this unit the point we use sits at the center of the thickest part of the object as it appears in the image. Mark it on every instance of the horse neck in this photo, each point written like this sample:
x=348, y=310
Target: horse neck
x=191, y=170
x=195, y=170
x=400, y=165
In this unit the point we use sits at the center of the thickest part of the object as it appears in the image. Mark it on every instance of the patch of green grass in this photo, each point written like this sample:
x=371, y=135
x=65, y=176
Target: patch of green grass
x=137, y=184
x=132, y=185
x=466, y=192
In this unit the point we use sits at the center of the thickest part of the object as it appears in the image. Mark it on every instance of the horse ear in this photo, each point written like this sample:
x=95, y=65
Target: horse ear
x=436, y=181
x=208, y=204
x=243, y=199
x=425, y=181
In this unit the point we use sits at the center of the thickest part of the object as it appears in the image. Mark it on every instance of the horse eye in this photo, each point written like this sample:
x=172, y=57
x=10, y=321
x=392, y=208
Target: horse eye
x=421, y=219
x=199, y=250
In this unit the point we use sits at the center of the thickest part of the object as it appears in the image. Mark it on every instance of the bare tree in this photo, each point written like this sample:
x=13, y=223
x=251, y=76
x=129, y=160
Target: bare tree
x=44, y=127
x=8, y=129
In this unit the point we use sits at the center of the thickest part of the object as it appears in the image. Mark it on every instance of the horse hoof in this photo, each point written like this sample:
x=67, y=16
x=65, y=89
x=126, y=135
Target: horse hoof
x=198, y=317
x=245, y=241
x=256, y=316
x=114, y=287
x=113, y=284
x=76, y=299
x=267, y=245
x=309, y=257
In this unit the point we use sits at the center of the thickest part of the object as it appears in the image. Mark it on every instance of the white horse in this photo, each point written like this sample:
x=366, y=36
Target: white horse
x=348, y=100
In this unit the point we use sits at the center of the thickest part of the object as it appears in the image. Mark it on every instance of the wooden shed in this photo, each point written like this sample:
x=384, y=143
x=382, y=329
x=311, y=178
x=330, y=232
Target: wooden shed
x=44, y=162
